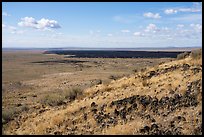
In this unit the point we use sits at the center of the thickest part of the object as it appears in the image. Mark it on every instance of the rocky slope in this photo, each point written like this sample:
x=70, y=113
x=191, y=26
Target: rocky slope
x=162, y=100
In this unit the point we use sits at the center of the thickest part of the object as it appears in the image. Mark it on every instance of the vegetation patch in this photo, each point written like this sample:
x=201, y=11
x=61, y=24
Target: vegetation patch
x=8, y=114
x=52, y=100
x=183, y=55
x=57, y=99
x=196, y=54
x=73, y=93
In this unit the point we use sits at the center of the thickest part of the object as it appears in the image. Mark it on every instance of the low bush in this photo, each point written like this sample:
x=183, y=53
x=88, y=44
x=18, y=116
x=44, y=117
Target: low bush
x=195, y=54
x=73, y=93
x=183, y=55
x=9, y=113
x=59, y=98
x=52, y=100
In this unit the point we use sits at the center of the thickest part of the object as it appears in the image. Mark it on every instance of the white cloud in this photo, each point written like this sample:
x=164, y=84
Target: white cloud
x=42, y=24
x=189, y=10
x=138, y=34
x=28, y=22
x=151, y=28
x=18, y=32
x=185, y=9
x=12, y=29
x=46, y=23
x=197, y=27
x=165, y=28
x=125, y=31
x=188, y=18
x=180, y=26
x=152, y=15
x=170, y=11
x=110, y=35
x=3, y=26
x=197, y=7
x=5, y=14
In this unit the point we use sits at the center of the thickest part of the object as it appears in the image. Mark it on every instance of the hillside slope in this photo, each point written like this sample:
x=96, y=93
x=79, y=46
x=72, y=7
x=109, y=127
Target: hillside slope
x=166, y=99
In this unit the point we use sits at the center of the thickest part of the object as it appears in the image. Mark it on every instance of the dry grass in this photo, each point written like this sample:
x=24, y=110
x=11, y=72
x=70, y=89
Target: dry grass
x=52, y=100
x=57, y=99
x=144, y=83
x=56, y=118
x=73, y=93
x=11, y=113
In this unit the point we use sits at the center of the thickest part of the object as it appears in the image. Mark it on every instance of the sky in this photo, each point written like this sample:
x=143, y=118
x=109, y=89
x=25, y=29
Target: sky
x=101, y=24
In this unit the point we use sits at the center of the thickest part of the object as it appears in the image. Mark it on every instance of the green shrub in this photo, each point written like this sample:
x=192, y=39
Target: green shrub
x=183, y=55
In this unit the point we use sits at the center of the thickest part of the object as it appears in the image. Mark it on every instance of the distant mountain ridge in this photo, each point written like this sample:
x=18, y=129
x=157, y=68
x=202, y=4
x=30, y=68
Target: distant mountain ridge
x=115, y=49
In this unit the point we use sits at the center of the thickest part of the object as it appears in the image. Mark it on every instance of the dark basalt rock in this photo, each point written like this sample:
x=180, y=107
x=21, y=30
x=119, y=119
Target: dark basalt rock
x=198, y=130
x=103, y=125
x=147, y=116
x=145, y=100
x=85, y=116
x=153, y=120
x=103, y=106
x=112, y=104
x=163, y=101
x=57, y=133
x=132, y=99
x=94, y=110
x=99, y=119
x=151, y=74
x=123, y=113
x=147, y=128
x=171, y=92
x=93, y=104
x=107, y=115
x=116, y=112
x=185, y=67
x=154, y=126
x=134, y=106
x=196, y=70
x=154, y=103
x=129, y=110
x=112, y=120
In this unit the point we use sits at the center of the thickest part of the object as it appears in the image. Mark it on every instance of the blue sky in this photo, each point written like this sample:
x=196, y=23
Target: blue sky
x=101, y=24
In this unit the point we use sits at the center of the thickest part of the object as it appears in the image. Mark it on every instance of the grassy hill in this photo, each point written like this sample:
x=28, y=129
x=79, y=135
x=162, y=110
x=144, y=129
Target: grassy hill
x=165, y=99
